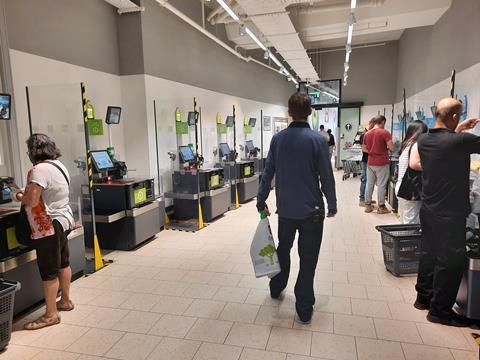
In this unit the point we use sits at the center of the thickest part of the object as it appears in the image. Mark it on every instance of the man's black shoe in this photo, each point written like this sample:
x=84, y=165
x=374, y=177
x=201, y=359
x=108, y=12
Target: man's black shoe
x=421, y=306
x=274, y=294
x=304, y=319
x=452, y=319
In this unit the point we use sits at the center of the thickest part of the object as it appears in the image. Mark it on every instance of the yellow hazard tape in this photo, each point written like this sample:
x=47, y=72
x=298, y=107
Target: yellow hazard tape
x=476, y=337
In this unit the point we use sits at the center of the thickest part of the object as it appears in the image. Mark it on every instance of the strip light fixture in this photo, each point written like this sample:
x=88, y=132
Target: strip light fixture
x=250, y=33
x=348, y=48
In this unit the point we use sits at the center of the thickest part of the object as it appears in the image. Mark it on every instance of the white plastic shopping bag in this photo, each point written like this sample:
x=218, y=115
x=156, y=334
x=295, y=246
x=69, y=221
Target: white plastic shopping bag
x=263, y=251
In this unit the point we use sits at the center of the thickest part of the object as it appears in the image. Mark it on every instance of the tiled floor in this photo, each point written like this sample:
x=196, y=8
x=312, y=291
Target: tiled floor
x=193, y=296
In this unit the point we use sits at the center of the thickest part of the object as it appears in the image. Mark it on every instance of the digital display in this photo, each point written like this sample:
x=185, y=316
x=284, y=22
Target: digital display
x=186, y=154
x=113, y=115
x=252, y=122
x=230, y=121
x=247, y=171
x=102, y=160
x=224, y=149
x=191, y=118
x=249, y=145
x=5, y=106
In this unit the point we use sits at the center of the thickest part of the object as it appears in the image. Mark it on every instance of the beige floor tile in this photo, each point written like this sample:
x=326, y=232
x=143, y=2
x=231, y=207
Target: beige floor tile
x=198, y=277
x=424, y=352
x=96, y=342
x=333, y=304
x=25, y=337
x=320, y=322
x=382, y=293
x=220, y=267
x=218, y=352
x=83, y=295
x=403, y=311
x=54, y=355
x=140, y=302
x=325, y=265
x=104, y=318
x=171, y=288
x=175, y=349
x=133, y=347
x=19, y=352
x=464, y=355
x=332, y=276
x=232, y=294
x=137, y=322
x=439, y=335
x=396, y=330
x=257, y=297
x=249, y=335
x=292, y=341
x=171, y=305
x=91, y=281
x=359, y=278
x=90, y=357
x=205, y=309
x=253, y=354
x=60, y=337
x=299, y=357
x=468, y=335
x=215, y=331
x=331, y=346
x=240, y=312
x=249, y=281
x=346, y=266
x=349, y=290
x=173, y=326
x=142, y=286
x=370, y=308
x=222, y=279
x=354, y=325
x=111, y=299
x=371, y=349
x=170, y=274
x=275, y=316
x=200, y=291
x=323, y=288
x=77, y=316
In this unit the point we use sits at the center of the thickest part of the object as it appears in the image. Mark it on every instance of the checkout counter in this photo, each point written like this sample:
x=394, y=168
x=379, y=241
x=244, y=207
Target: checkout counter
x=126, y=210
x=241, y=174
x=18, y=262
x=192, y=186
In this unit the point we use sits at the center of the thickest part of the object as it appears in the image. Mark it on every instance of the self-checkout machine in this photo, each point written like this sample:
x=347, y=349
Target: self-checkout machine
x=199, y=194
x=127, y=212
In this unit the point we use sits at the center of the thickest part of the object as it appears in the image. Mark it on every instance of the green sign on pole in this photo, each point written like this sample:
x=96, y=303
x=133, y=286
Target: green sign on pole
x=247, y=129
x=221, y=129
x=95, y=127
x=181, y=128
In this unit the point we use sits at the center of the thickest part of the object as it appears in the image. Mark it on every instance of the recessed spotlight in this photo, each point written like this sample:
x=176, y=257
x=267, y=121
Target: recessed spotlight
x=242, y=30
x=266, y=54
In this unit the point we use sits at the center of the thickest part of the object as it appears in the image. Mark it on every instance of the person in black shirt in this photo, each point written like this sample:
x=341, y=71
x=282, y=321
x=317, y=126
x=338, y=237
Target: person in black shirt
x=445, y=161
x=331, y=143
x=363, y=166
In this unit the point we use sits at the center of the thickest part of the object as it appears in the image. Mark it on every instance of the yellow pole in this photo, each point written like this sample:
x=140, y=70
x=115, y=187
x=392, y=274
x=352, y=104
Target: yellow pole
x=201, y=224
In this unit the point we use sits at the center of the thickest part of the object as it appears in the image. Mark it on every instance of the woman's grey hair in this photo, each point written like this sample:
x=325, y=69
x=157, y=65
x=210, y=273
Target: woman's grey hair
x=44, y=146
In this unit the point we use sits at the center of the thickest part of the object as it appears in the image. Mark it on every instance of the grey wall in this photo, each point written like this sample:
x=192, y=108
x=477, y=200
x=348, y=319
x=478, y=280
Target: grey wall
x=176, y=51
x=372, y=74
x=77, y=32
x=428, y=54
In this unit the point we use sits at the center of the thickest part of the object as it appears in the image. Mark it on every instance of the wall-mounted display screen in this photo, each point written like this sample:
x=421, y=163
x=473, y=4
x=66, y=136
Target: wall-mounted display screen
x=325, y=92
x=252, y=122
x=230, y=121
x=249, y=146
x=191, y=118
x=113, y=115
x=5, y=106
x=224, y=149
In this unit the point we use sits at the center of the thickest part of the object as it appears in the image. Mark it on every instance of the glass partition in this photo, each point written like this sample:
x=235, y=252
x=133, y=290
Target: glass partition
x=56, y=110
x=325, y=92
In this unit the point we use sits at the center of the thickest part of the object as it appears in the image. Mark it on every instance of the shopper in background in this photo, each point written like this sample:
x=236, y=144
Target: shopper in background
x=445, y=160
x=45, y=200
x=331, y=143
x=409, y=209
x=298, y=158
x=377, y=143
x=364, y=165
x=324, y=133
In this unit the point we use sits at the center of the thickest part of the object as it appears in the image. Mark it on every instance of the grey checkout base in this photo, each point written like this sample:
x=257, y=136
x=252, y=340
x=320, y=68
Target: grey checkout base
x=247, y=186
x=24, y=268
x=468, y=299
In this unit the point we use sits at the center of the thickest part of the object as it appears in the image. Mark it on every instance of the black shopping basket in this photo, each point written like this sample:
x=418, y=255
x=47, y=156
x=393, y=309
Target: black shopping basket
x=7, y=298
x=401, y=248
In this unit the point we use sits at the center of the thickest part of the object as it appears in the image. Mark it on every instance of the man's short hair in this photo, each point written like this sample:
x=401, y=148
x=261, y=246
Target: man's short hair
x=300, y=106
x=379, y=119
x=322, y=127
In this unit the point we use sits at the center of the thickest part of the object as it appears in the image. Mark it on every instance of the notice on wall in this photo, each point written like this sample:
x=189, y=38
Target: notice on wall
x=267, y=123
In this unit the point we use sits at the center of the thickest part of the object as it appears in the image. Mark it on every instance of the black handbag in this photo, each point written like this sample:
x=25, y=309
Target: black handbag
x=411, y=186
x=23, y=230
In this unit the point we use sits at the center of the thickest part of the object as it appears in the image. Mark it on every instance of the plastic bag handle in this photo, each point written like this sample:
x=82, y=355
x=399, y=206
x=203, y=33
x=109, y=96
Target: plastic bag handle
x=263, y=215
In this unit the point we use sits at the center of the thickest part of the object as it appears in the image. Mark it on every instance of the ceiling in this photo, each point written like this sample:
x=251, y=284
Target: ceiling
x=291, y=27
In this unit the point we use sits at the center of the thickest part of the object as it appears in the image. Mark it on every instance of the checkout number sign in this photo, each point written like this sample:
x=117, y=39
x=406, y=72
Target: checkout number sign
x=140, y=196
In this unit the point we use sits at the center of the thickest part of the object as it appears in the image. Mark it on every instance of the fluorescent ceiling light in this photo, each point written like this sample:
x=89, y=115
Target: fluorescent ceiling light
x=350, y=34
x=254, y=38
x=354, y=4
x=347, y=57
x=275, y=60
x=294, y=81
x=229, y=10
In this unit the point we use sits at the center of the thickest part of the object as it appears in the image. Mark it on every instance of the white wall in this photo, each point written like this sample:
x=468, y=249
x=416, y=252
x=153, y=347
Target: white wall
x=102, y=89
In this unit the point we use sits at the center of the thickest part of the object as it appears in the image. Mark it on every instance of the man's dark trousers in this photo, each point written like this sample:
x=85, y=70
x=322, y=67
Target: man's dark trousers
x=310, y=238
x=442, y=261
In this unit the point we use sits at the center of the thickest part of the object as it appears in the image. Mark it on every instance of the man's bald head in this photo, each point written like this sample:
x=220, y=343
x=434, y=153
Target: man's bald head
x=449, y=112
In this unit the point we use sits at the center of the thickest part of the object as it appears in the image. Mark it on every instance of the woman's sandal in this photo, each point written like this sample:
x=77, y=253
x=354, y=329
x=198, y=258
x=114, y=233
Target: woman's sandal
x=42, y=322
x=65, y=307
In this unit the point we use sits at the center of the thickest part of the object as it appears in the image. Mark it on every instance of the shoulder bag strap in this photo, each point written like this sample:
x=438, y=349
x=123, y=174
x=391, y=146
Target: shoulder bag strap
x=60, y=169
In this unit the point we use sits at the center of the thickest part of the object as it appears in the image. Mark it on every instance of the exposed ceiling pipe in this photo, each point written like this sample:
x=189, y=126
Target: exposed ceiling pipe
x=302, y=10
x=222, y=18
x=343, y=48
x=188, y=20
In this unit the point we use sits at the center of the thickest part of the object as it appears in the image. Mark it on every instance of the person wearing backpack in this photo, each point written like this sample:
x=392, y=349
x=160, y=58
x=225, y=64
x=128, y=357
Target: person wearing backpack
x=408, y=194
x=44, y=223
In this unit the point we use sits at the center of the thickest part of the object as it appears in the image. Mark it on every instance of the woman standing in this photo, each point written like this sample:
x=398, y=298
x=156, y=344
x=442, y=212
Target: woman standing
x=46, y=203
x=409, y=209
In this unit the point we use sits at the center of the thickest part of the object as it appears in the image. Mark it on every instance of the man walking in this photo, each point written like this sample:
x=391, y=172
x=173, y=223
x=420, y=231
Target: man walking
x=324, y=133
x=331, y=143
x=377, y=142
x=298, y=158
x=445, y=161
